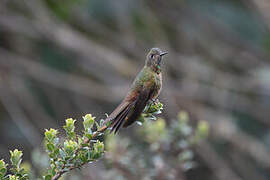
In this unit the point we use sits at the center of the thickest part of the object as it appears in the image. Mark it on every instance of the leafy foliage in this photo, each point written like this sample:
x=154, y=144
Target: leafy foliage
x=18, y=172
x=76, y=150
x=168, y=148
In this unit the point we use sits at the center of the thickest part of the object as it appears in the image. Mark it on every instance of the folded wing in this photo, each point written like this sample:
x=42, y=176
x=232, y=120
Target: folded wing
x=129, y=110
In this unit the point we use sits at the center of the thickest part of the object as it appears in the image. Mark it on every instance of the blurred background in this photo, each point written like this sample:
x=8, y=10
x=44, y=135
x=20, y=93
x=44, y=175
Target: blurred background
x=61, y=59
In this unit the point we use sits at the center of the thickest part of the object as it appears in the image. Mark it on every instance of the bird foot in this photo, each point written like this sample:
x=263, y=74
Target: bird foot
x=154, y=101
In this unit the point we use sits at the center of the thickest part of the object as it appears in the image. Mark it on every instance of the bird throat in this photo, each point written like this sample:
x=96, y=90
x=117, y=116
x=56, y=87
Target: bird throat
x=156, y=68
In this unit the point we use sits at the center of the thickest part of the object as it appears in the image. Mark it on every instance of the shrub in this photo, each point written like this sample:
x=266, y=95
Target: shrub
x=77, y=149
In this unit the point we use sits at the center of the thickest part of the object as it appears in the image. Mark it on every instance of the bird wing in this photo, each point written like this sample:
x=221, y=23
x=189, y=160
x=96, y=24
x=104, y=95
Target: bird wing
x=139, y=106
x=129, y=110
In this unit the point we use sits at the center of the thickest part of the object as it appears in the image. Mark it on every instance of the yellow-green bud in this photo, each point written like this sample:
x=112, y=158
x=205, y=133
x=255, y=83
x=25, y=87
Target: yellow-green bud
x=50, y=134
x=203, y=129
x=69, y=124
x=183, y=117
x=88, y=121
x=70, y=146
x=99, y=146
x=15, y=157
x=3, y=168
x=13, y=177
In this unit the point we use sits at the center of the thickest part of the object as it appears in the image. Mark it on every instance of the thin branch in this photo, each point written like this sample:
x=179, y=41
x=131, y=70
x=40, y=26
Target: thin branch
x=86, y=141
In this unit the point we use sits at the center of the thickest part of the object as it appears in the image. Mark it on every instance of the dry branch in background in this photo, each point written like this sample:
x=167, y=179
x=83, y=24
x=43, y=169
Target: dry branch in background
x=57, y=59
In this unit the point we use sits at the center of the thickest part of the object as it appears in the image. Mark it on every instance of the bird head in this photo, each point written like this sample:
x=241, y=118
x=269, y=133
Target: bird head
x=154, y=57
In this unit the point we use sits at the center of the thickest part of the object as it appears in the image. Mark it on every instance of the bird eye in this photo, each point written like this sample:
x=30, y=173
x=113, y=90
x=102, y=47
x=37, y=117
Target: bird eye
x=152, y=55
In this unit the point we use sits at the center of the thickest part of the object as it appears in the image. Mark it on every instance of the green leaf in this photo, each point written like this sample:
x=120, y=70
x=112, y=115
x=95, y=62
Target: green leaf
x=48, y=177
x=53, y=169
x=50, y=135
x=88, y=135
x=62, y=154
x=3, y=171
x=50, y=147
x=70, y=128
x=70, y=125
x=101, y=122
x=3, y=168
x=84, y=156
x=13, y=177
x=100, y=146
x=88, y=121
x=15, y=157
x=70, y=147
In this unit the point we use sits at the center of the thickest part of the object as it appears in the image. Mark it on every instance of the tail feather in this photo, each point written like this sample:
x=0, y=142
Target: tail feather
x=118, y=116
x=120, y=119
x=139, y=106
x=121, y=107
x=122, y=113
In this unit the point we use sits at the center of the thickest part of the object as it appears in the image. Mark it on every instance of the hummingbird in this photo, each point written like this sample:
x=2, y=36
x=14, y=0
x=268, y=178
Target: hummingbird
x=145, y=88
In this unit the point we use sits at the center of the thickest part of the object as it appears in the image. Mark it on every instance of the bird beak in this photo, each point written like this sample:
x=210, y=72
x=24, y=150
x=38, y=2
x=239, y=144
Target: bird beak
x=163, y=53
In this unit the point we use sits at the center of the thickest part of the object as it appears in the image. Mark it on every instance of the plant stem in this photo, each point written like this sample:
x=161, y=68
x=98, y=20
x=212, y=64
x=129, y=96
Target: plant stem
x=86, y=141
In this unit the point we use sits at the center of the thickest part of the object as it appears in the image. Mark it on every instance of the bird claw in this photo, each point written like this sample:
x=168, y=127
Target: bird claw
x=154, y=101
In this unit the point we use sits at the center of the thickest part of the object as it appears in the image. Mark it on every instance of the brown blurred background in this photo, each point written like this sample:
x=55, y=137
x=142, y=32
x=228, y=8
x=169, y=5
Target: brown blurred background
x=61, y=59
